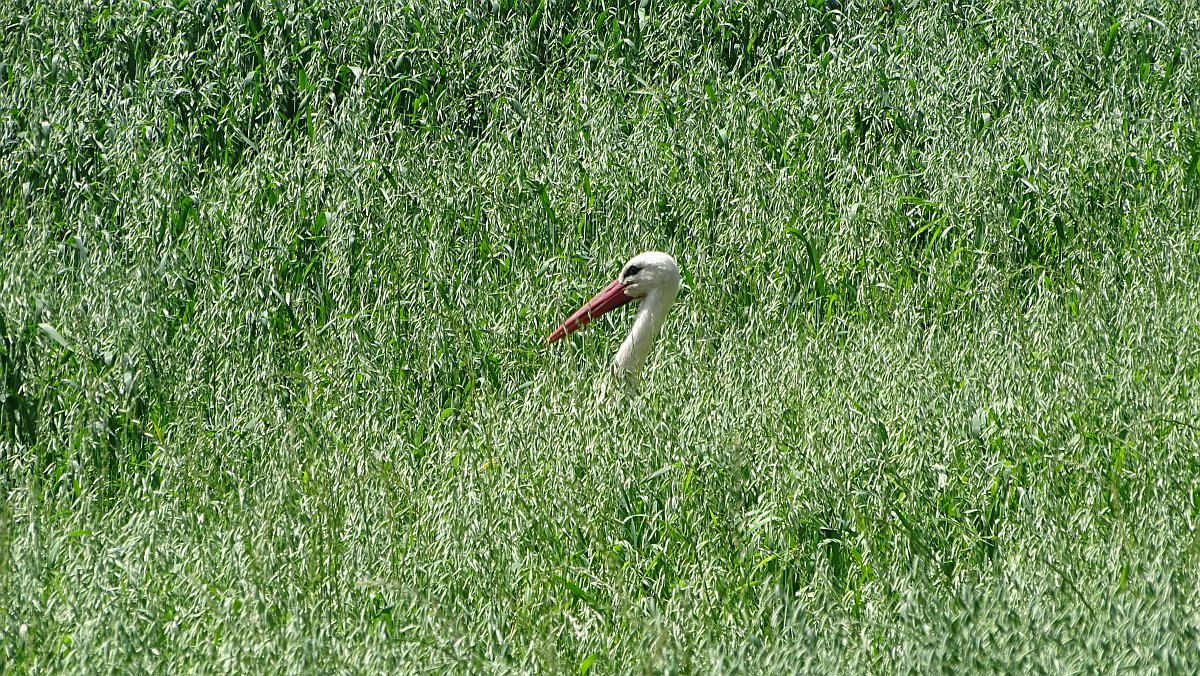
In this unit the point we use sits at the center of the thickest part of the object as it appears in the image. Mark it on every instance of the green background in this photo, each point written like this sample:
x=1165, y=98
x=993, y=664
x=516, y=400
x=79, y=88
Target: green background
x=274, y=276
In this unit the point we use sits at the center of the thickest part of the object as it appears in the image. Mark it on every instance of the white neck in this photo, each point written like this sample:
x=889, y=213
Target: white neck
x=650, y=316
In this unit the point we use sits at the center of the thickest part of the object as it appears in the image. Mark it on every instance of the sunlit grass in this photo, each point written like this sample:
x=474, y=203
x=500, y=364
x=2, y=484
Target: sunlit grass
x=274, y=283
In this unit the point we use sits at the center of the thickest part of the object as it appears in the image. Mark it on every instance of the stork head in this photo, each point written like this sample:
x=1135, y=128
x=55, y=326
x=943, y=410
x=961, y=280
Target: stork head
x=649, y=274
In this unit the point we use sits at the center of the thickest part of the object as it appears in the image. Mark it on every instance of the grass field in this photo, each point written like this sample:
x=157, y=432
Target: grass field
x=274, y=277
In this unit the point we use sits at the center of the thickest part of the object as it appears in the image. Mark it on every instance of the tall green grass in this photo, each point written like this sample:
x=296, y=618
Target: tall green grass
x=274, y=278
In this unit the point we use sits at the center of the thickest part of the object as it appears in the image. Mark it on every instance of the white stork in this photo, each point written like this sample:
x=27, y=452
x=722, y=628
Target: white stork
x=651, y=277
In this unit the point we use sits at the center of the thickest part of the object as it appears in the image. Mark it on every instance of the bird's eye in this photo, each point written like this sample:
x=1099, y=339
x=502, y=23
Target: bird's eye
x=631, y=271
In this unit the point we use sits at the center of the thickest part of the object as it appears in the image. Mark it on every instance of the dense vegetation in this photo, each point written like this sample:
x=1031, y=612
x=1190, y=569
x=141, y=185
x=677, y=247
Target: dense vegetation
x=273, y=277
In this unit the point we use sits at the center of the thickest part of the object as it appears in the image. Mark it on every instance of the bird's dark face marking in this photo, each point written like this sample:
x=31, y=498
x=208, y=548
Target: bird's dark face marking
x=630, y=271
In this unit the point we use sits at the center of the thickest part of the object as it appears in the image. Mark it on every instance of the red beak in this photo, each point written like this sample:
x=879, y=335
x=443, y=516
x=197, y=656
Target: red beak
x=612, y=297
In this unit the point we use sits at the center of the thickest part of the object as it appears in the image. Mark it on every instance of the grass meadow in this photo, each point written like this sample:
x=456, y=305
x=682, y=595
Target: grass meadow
x=274, y=277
